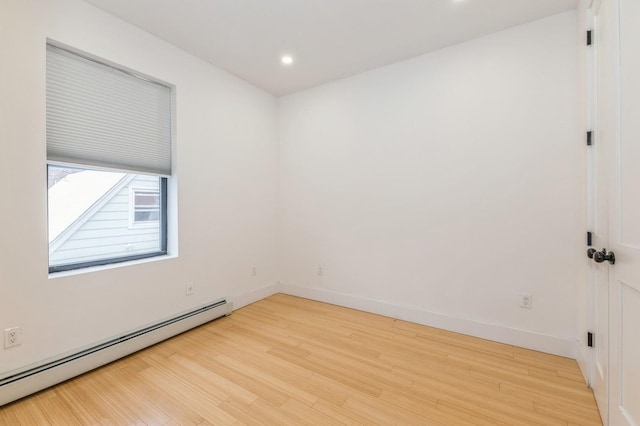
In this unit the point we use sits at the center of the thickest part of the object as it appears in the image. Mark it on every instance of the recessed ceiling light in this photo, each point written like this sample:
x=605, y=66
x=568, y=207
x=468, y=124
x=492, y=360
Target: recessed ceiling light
x=287, y=60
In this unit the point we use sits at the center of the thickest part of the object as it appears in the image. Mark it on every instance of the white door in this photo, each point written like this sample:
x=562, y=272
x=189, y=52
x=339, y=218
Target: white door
x=603, y=123
x=624, y=227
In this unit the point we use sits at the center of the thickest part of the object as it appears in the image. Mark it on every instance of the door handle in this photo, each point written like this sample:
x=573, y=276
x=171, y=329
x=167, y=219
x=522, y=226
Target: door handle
x=601, y=256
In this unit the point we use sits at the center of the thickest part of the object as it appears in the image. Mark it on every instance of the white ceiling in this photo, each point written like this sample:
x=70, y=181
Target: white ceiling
x=329, y=39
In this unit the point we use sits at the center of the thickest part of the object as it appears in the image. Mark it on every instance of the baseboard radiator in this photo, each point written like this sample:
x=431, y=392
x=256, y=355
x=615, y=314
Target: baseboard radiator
x=31, y=380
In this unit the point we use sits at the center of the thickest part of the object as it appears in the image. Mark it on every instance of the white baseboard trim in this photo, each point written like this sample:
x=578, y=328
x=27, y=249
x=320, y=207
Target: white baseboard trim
x=244, y=299
x=511, y=336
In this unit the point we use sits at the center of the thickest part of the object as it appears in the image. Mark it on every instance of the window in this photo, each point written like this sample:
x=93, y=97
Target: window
x=109, y=159
x=146, y=206
x=90, y=213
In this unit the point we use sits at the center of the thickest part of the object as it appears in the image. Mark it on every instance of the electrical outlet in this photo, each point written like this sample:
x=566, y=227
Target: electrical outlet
x=320, y=270
x=525, y=301
x=190, y=288
x=254, y=271
x=12, y=337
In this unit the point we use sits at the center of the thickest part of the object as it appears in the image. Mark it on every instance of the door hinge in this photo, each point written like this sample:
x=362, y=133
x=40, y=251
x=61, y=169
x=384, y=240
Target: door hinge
x=589, y=238
x=589, y=37
x=590, y=339
x=589, y=138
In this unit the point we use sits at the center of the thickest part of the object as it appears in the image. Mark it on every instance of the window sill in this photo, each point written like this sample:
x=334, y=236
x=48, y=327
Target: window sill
x=91, y=269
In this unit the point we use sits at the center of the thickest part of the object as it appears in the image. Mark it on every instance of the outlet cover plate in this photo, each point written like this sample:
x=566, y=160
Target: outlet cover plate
x=525, y=301
x=190, y=288
x=12, y=337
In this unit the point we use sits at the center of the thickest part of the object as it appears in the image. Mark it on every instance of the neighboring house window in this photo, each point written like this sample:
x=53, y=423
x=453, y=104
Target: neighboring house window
x=145, y=206
x=109, y=159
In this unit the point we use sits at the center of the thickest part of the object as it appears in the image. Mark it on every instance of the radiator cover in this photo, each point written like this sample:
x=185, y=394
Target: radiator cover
x=27, y=381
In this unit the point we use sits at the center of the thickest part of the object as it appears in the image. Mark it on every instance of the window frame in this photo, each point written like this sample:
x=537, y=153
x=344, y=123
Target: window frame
x=109, y=261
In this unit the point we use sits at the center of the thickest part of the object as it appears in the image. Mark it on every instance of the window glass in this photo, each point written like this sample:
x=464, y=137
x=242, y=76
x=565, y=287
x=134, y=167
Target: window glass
x=90, y=213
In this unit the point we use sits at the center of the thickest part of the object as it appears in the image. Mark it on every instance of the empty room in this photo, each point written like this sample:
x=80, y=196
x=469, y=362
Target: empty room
x=411, y=212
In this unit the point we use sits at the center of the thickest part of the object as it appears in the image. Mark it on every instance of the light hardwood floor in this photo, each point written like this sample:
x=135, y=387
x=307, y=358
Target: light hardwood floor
x=286, y=360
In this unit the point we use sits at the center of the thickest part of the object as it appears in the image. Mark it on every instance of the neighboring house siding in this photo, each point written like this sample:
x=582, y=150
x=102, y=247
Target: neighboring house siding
x=108, y=231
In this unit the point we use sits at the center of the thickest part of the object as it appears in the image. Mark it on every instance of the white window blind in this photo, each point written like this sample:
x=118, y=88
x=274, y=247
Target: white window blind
x=100, y=116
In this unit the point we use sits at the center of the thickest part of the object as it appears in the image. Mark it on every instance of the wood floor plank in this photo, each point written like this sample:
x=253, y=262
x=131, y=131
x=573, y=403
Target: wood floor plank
x=341, y=414
x=291, y=361
x=55, y=410
x=86, y=412
x=382, y=412
x=27, y=414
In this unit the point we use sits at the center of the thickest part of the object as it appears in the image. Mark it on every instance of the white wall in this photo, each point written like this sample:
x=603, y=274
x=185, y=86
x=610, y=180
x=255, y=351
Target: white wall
x=225, y=175
x=440, y=188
